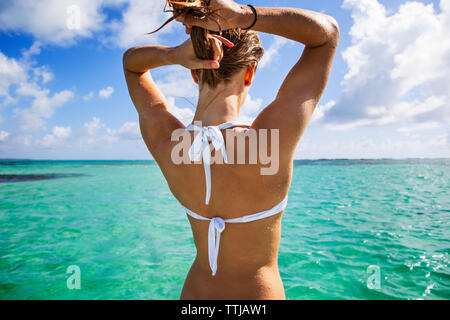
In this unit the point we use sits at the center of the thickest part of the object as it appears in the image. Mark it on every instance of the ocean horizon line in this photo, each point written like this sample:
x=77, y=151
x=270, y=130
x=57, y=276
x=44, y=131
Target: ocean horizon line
x=305, y=159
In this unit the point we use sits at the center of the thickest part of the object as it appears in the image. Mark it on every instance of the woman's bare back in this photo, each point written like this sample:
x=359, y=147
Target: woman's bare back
x=247, y=257
x=248, y=252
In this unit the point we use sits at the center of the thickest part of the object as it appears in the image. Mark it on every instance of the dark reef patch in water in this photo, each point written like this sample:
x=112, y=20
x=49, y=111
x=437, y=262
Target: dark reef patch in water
x=7, y=178
x=76, y=163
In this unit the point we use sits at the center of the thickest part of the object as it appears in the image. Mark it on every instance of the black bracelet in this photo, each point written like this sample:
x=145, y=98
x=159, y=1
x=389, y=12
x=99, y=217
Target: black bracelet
x=254, y=21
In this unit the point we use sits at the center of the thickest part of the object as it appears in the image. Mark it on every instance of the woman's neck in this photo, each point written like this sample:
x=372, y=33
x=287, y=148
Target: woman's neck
x=219, y=105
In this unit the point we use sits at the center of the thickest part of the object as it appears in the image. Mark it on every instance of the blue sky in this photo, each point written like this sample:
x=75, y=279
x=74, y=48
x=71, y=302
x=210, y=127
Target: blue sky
x=63, y=95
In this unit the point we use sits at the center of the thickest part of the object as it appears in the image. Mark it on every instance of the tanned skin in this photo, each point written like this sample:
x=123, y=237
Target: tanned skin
x=247, y=262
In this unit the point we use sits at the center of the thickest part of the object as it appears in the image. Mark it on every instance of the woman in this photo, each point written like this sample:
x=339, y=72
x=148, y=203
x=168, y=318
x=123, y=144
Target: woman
x=217, y=196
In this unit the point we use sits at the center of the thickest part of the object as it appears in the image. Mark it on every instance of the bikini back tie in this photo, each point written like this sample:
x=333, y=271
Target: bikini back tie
x=217, y=226
x=200, y=148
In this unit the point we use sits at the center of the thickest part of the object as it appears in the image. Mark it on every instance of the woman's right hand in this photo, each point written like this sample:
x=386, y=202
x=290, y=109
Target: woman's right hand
x=184, y=54
x=232, y=11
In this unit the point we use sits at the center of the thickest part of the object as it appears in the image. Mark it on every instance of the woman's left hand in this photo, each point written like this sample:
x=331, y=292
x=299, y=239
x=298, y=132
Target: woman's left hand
x=185, y=54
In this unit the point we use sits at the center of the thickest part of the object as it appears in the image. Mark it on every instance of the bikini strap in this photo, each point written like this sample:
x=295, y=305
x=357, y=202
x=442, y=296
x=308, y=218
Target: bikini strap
x=217, y=226
x=231, y=124
x=200, y=148
x=261, y=215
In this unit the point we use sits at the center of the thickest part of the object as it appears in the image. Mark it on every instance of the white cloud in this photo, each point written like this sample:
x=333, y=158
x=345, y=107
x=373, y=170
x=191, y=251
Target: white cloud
x=42, y=107
x=139, y=18
x=89, y=96
x=357, y=146
x=106, y=92
x=55, y=21
x=91, y=128
x=46, y=75
x=12, y=72
x=418, y=107
x=250, y=109
x=40, y=74
x=185, y=115
x=21, y=84
x=420, y=126
x=398, y=67
x=176, y=81
x=58, y=135
x=272, y=52
x=61, y=132
x=128, y=131
x=4, y=135
x=47, y=20
x=35, y=49
x=320, y=111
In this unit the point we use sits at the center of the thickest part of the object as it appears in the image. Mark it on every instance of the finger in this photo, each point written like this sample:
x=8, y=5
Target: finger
x=206, y=64
x=216, y=46
x=220, y=47
x=225, y=41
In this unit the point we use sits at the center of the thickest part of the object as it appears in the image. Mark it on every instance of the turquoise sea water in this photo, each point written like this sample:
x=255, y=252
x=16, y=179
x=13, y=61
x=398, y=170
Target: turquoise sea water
x=118, y=222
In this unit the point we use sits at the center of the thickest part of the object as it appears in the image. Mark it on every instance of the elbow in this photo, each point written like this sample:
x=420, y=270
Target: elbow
x=126, y=56
x=327, y=31
x=332, y=30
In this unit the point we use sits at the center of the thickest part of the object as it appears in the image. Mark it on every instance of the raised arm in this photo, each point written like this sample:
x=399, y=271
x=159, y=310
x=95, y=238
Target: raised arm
x=304, y=85
x=156, y=122
x=301, y=90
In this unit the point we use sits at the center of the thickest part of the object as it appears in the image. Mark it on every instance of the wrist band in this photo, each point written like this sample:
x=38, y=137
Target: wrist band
x=256, y=17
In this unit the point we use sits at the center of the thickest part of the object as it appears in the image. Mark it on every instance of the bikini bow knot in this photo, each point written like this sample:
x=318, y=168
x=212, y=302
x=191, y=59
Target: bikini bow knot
x=201, y=149
x=216, y=227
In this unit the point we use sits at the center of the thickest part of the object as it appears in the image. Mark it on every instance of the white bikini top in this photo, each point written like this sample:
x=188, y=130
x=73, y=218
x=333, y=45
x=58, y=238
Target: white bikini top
x=217, y=225
x=201, y=149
